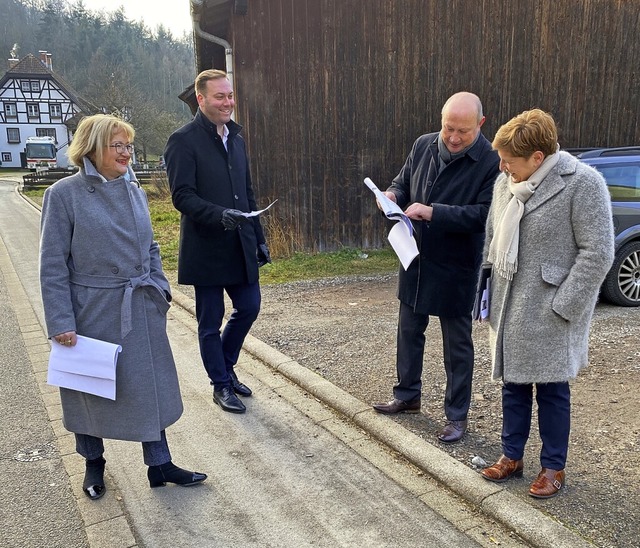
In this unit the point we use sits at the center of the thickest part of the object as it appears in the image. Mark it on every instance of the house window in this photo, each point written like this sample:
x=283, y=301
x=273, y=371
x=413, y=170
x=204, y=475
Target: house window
x=46, y=132
x=10, y=110
x=32, y=110
x=55, y=110
x=25, y=85
x=6, y=156
x=13, y=135
x=35, y=85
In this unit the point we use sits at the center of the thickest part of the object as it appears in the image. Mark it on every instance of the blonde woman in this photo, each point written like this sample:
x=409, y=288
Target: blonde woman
x=101, y=277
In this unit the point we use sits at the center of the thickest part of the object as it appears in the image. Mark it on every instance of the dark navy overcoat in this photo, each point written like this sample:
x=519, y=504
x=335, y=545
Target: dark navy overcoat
x=205, y=180
x=442, y=280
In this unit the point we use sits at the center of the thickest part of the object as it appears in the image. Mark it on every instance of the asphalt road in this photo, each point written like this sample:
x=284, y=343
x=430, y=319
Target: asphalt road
x=291, y=472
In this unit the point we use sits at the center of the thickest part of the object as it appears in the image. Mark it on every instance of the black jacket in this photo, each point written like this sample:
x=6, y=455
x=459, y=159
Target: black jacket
x=205, y=180
x=441, y=281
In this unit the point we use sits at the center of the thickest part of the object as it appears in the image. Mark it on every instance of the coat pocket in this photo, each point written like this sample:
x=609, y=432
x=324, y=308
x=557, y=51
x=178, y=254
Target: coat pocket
x=553, y=274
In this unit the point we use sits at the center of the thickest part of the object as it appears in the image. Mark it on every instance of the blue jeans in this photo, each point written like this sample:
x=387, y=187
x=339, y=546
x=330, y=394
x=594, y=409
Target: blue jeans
x=220, y=352
x=154, y=453
x=554, y=422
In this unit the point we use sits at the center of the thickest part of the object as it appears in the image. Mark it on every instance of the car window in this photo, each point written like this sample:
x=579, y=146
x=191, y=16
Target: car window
x=623, y=181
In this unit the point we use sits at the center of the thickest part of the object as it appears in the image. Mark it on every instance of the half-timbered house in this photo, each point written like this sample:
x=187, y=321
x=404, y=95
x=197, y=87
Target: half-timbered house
x=36, y=102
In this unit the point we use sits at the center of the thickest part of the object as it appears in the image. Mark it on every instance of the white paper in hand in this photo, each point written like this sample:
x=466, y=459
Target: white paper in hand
x=89, y=366
x=401, y=234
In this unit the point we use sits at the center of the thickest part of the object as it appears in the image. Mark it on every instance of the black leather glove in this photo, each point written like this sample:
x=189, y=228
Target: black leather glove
x=263, y=254
x=231, y=218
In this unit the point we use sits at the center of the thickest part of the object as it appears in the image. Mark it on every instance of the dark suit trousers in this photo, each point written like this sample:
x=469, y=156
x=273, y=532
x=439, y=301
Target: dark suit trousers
x=554, y=421
x=458, y=359
x=220, y=352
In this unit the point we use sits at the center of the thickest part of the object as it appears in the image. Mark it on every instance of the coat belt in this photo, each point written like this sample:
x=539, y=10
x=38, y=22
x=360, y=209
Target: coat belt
x=130, y=285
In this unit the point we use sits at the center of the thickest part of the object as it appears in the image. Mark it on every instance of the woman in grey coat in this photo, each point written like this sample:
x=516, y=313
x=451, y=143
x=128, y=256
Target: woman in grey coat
x=550, y=245
x=101, y=277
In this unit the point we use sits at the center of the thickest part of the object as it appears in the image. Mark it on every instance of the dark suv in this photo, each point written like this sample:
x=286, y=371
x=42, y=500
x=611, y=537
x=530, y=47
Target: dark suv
x=621, y=169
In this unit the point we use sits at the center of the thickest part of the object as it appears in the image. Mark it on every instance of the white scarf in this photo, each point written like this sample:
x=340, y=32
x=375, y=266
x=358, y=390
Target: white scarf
x=503, y=250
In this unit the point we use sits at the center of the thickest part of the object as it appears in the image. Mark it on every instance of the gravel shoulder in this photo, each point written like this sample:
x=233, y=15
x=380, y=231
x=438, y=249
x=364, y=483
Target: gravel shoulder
x=344, y=329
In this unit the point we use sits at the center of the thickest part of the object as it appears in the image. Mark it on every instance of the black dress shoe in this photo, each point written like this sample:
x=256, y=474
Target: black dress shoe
x=238, y=387
x=398, y=406
x=170, y=473
x=453, y=431
x=93, y=484
x=226, y=399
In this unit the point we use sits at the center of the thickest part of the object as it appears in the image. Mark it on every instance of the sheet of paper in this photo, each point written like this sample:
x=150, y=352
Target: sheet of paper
x=403, y=243
x=254, y=213
x=390, y=209
x=89, y=366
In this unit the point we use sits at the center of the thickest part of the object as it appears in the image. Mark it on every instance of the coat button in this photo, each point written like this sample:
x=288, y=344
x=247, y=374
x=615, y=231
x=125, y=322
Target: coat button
x=138, y=267
x=91, y=189
x=236, y=196
x=115, y=269
x=429, y=183
x=230, y=167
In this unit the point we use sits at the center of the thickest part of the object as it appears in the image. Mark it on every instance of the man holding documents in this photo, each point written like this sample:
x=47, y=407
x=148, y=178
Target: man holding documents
x=445, y=188
x=221, y=247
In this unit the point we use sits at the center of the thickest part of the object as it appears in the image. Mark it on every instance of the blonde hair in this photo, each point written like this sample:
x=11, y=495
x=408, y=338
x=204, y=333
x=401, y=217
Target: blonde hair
x=93, y=136
x=526, y=133
x=205, y=76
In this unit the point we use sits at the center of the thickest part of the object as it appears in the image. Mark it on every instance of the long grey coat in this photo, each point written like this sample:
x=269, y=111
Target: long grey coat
x=97, y=253
x=539, y=322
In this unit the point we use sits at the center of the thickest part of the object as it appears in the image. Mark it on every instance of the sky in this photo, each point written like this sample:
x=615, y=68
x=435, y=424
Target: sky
x=173, y=14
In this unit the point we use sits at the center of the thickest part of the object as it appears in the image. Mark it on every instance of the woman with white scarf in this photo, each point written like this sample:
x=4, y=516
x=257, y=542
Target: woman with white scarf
x=550, y=243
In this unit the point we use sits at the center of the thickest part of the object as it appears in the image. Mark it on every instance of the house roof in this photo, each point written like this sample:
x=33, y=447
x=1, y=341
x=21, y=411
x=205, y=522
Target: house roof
x=30, y=66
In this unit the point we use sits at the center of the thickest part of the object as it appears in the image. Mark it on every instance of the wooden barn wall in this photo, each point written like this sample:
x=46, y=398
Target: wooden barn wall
x=332, y=91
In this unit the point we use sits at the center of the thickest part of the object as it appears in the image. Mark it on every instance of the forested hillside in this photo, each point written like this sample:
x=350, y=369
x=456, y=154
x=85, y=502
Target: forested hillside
x=116, y=64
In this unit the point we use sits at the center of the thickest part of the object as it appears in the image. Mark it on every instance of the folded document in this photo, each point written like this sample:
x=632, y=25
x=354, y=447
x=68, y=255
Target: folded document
x=89, y=366
x=401, y=234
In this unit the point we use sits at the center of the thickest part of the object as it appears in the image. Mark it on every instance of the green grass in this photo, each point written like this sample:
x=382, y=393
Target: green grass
x=300, y=266
x=346, y=262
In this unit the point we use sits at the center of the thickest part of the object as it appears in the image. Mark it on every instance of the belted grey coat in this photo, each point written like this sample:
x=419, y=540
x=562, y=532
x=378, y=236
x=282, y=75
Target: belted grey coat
x=539, y=321
x=101, y=276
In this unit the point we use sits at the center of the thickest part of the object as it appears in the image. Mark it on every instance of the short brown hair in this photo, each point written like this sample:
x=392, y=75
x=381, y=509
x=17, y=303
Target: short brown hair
x=205, y=76
x=93, y=135
x=526, y=133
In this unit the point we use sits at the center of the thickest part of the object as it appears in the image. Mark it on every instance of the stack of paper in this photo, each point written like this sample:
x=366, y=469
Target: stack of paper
x=89, y=366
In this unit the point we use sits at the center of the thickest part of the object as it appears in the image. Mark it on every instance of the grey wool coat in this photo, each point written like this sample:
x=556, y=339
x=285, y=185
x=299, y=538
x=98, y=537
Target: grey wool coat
x=98, y=258
x=539, y=321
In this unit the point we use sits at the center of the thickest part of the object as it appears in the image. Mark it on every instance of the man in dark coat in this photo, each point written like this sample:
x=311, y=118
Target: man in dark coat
x=220, y=248
x=446, y=186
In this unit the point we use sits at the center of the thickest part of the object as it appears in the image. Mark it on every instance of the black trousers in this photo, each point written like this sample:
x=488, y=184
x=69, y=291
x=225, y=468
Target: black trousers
x=220, y=351
x=458, y=359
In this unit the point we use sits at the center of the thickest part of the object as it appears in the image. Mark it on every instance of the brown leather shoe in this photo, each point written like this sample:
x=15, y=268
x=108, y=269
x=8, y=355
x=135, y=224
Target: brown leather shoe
x=453, y=431
x=503, y=469
x=547, y=484
x=398, y=406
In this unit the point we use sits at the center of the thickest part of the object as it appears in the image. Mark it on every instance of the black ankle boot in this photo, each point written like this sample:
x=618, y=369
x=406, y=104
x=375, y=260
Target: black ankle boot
x=93, y=485
x=170, y=473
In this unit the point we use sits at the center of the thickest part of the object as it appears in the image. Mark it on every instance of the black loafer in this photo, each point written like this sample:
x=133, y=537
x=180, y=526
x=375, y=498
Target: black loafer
x=226, y=399
x=238, y=387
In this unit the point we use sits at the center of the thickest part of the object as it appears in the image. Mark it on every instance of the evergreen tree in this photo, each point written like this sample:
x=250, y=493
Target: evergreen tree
x=116, y=64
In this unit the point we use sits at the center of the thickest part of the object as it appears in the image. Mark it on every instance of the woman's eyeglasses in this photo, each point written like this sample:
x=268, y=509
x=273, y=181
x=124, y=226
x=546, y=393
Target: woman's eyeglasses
x=121, y=147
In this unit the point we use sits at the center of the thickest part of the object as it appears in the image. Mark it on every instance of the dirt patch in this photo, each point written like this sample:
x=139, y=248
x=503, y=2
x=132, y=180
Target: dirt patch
x=344, y=329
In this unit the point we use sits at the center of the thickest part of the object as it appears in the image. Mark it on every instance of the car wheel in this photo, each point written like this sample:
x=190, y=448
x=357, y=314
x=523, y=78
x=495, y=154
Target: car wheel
x=622, y=284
